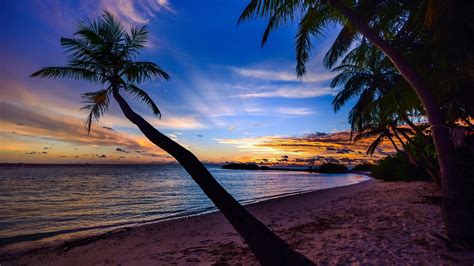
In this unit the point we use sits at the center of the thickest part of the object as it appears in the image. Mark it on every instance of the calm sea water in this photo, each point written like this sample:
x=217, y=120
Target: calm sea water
x=41, y=203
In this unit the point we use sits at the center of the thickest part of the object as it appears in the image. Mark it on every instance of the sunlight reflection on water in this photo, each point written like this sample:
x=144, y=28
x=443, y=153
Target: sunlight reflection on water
x=46, y=201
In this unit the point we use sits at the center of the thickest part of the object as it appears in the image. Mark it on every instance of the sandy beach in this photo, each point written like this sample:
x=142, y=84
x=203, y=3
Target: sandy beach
x=369, y=223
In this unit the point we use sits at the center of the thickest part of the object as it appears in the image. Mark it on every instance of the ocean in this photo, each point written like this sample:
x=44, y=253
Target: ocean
x=50, y=203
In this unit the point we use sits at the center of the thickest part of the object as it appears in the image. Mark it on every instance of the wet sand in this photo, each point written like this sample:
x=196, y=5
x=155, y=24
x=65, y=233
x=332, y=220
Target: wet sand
x=369, y=223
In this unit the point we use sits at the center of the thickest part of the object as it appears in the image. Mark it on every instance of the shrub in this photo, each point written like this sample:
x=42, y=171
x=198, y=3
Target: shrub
x=397, y=168
x=366, y=167
x=332, y=168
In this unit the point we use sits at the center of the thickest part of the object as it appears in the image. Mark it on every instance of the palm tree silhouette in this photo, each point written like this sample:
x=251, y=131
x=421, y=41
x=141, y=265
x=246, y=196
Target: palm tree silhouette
x=105, y=53
x=379, y=22
x=384, y=100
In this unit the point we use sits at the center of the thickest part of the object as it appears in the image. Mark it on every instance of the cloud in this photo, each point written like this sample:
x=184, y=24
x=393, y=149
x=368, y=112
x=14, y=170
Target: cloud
x=130, y=12
x=272, y=75
x=314, y=148
x=63, y=15
x=294, y=91
x=62, y=128
x=182, y=123
x=294, y=111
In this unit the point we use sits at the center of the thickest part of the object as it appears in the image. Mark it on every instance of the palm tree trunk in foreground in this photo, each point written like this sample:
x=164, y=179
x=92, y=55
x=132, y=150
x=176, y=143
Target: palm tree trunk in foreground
x=457, y=185
x=267, y=247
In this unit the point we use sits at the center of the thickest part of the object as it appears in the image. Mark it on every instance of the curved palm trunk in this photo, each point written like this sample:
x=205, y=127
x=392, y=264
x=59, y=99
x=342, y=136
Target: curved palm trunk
x=458, y=199
x=267, y=247
x=393, y=143
x=407, y=150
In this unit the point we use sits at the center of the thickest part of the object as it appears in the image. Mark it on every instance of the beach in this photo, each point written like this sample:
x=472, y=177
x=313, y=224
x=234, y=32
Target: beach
x=368, y=223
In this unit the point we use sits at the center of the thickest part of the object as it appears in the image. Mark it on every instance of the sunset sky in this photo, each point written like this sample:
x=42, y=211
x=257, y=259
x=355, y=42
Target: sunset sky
x=228, y=99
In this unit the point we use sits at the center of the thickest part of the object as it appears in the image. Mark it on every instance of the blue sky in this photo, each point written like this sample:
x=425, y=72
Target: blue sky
x=224, y=88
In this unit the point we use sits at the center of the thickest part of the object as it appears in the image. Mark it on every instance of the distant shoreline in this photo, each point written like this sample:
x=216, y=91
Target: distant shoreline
x=328, y=168
x=82, y=164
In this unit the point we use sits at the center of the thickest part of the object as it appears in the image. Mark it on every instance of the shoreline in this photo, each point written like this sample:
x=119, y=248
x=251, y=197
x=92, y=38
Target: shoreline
x=53, y=239
x=369, y=222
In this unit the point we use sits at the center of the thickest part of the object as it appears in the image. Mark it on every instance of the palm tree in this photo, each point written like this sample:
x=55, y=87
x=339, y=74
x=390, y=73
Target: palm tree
x=379, y=22
x=105, y=53
x=365, y=72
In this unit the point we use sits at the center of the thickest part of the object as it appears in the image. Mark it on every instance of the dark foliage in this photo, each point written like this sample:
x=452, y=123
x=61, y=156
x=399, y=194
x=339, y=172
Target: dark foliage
x=332, y=168
x=398, y=168
x=242, y=166
x=363, y=167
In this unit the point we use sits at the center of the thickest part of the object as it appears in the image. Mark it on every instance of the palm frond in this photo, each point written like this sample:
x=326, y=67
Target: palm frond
x=343, y=42
x=97, y=103
x=141, y=95
x=373, y=146
x=369, y=133
x=137, y=72
x=90, y=30
x=135, y=41
x=311, y=25
x=66, y=72
x=359, y=54
x=82, y=50
x=262, y=8
x=285, y=11
x=352, y=88
x=114, y=31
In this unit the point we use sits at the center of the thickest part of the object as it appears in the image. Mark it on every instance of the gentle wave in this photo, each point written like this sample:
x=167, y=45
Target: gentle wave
x=45, y=202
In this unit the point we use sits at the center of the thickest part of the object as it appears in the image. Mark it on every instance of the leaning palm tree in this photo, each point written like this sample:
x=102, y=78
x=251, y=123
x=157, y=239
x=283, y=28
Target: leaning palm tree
x=380, y=22
x=105, y=53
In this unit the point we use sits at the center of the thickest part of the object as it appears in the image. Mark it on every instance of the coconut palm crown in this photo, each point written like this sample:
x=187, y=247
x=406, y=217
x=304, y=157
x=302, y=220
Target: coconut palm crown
x=104, y=52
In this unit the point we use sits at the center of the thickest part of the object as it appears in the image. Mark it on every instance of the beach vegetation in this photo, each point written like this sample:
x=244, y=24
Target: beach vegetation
x=398, y=167
x=364, y=167
x=332, y=168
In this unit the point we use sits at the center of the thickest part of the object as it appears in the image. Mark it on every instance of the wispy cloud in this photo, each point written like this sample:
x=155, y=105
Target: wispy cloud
x=35, y=123
x=293, y=111
x=272, y=75
x=182, y=123
x=36, y=100
x=130, y=12
x=293, y=91
x=63, y=15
